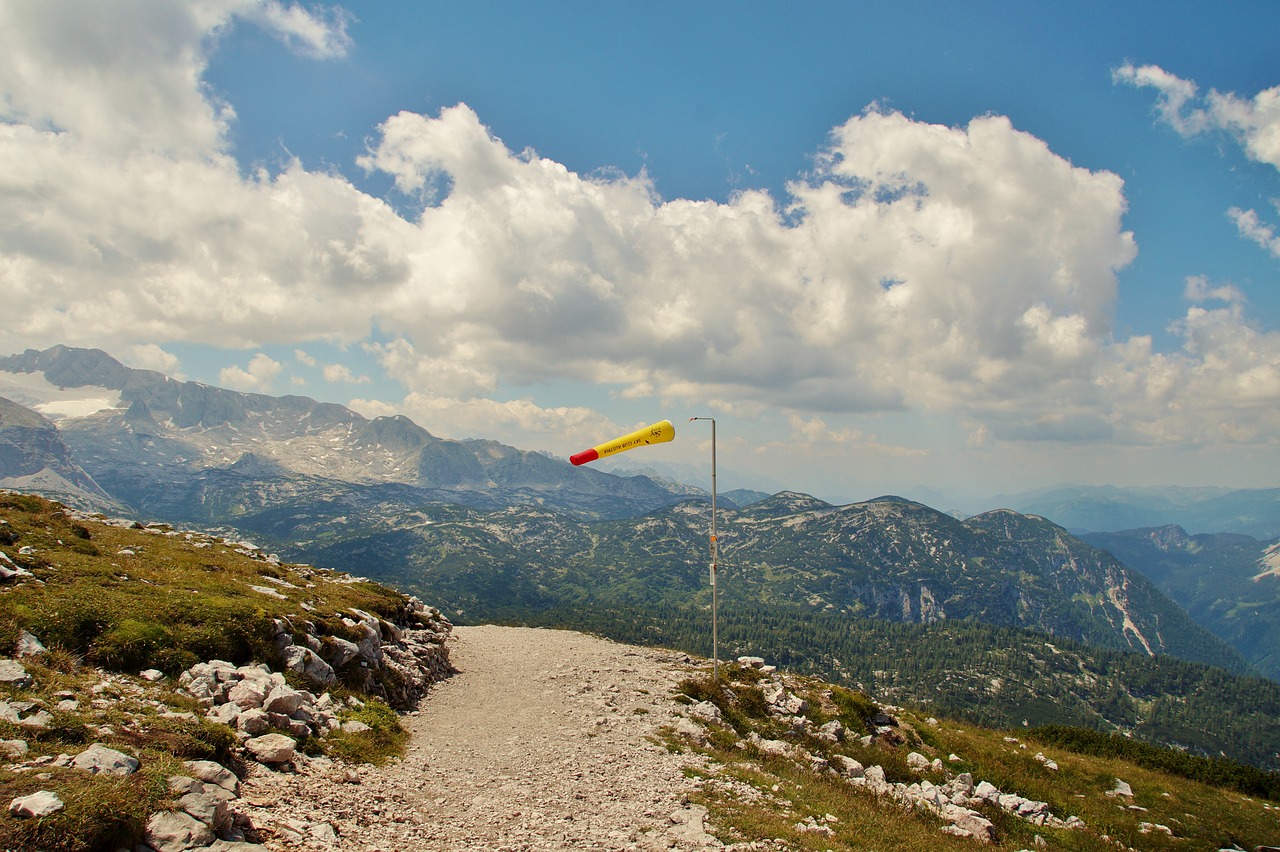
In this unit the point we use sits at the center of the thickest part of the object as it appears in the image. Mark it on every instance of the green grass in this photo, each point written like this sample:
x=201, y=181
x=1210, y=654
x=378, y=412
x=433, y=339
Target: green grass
x=150, y=600
x=385, y=739
x=783, y=792
x=102, y=811
x=167, y=602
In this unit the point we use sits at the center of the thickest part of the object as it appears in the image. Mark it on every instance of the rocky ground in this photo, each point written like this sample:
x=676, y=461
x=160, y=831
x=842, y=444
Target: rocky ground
x=544, y=740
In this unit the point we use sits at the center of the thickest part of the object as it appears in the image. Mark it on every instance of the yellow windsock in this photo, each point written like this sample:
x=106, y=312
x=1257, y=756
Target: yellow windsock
x=656, y=433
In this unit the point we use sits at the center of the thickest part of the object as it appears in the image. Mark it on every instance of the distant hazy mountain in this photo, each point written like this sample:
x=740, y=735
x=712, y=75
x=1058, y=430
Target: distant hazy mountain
x=491, y=528
x=1249, y=511
x=1227, y=582
x=888, y=559
x=33, y=457
x=164, y=446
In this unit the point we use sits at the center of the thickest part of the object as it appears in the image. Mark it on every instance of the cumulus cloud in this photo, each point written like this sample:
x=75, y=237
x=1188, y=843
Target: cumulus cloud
x=844, y=304
x=258, y=376
x=149, y=356
x=115, y=182
x=1174, y=95
x=1252, y=228
x=521, y=422
x=321, y=34
x=342, y=374
x=813, y=433
x=965, y=270
x=1200, y=289
x=1255, y=121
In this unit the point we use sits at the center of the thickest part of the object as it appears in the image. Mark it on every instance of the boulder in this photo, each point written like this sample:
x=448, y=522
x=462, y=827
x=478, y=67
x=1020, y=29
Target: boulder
x=227, y=713
x=773, y=748
x=176, y=831
x=283, y=699
x=253, y=722
x=271, y=748
x=969, y=823
x=39, y=719
x=211, y=810
x=691, y=730
x=874, y=775
x=98, y=758
x=28, y=646
x=848, y=766
x=247, y=694
x=339, y=652
x=832, y=731
x=39, y=804
x=986, y=790
x=706, y=711
x=13, y=748
x=212, y=773
x=1122, y=788
x=13, y=674
x=309, y=664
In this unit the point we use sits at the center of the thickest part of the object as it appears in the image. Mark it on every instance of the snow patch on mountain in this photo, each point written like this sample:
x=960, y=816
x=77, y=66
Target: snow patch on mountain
x=1269, y=563
x=39, y=394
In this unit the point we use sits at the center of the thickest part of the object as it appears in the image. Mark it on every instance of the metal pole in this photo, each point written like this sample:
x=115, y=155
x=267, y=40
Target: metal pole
x=715, y=557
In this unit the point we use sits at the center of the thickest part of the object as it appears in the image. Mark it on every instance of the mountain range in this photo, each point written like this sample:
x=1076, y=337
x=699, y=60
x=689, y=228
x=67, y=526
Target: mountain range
x=888, y=559
x=165, y=448
x=1227, y=582
x=492, y=532
x=1106, y=508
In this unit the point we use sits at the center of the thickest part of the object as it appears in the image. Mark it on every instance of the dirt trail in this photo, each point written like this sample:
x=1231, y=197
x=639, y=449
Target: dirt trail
x=541, y=742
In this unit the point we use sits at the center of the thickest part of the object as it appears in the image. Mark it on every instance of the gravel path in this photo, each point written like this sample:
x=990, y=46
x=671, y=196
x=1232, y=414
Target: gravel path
x=541, y=742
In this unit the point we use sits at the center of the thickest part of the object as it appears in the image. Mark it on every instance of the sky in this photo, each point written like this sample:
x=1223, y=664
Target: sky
x=977, y=248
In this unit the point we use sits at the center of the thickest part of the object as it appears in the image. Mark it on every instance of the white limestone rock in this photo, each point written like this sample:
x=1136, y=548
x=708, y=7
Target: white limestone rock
x=39, y=804
x=97, y=758
x=271, y=748
x=176, y=831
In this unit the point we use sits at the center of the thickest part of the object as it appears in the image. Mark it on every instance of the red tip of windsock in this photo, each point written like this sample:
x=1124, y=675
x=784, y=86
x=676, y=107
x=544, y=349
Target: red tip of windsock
x=584, y=456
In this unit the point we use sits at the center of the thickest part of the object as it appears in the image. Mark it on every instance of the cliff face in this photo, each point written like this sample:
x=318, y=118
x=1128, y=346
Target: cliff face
x=34, y=457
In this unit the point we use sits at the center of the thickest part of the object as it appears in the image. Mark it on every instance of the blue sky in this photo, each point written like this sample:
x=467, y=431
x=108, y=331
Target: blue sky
x=978, y=249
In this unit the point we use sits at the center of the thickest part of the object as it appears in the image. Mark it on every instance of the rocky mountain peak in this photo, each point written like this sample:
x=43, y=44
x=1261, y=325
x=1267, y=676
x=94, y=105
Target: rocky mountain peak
x=395, y=433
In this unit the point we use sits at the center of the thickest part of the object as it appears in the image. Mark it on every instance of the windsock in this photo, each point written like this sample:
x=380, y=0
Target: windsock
x=657, y=433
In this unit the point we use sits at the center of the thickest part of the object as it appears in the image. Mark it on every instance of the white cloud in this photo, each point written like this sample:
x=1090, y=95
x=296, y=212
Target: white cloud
x=1198, y=289
x=258, y=376
x=521, y=422
x=813, y=434
x=341, y=374
x=1251, y=227
x=149, y=356
x=968, y=271
x=372, y=408
x=1174, y=96
x=115, y=182
x=1255, y=122
x=301, y=356
x=321, y=34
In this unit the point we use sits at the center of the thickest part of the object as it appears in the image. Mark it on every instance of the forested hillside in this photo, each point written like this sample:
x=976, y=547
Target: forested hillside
x=1001, y=677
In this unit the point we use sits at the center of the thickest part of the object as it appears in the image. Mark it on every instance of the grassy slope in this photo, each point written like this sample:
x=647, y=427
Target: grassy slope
x=753, y=797
x=177, y=598
x=109, y=602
